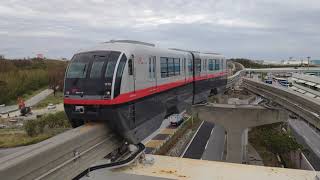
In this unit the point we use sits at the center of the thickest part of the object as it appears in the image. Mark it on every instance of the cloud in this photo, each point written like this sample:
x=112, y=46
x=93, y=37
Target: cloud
x=264, y=29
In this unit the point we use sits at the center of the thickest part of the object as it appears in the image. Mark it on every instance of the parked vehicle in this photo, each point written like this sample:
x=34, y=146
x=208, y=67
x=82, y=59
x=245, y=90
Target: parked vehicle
x=176, y=119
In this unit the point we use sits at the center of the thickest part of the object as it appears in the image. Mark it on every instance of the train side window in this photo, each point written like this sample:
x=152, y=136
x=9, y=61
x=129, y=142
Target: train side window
x=217, y=64
x=130, y=67
x=176, y=66
x=205, y=65
x=164, y=67
x=170, y=67
x=198, y=65
x=211, y=65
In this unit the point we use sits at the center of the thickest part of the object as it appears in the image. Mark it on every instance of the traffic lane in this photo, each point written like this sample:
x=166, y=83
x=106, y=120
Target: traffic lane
x=197, y=146
x=311, y=137
x=215, y=146
x=307, y=137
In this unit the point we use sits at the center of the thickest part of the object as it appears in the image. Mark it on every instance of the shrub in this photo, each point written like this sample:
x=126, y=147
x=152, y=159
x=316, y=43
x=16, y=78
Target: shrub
x=277, y=141
x=37, y=126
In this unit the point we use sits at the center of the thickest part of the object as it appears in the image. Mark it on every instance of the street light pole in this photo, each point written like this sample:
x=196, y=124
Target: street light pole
x=308, y=61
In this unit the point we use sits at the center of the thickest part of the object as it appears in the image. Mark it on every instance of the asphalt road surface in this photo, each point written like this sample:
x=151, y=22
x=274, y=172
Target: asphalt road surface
x=30, y=102
x=215, y=146
x=307, y=136
x=198, y=145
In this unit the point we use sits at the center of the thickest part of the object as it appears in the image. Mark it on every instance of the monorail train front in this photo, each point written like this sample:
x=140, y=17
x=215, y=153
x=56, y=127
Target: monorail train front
x=91, y=81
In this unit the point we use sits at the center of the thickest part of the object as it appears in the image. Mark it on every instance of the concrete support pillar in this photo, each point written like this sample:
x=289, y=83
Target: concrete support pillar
x=236, y=119
x=235, y=148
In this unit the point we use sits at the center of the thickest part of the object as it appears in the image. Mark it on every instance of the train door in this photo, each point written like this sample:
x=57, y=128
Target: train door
x=184, y=68
x=196, y=77
x=131, y=83
x=131, y=75
x=152, y=72
x=197, y=67
x=205, y=67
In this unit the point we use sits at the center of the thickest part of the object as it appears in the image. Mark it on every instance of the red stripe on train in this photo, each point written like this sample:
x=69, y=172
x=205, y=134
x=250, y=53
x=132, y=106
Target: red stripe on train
x=130, y=96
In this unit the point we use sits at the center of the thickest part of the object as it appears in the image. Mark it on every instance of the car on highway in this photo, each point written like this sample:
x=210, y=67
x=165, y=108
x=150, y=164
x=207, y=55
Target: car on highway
x=176, y=120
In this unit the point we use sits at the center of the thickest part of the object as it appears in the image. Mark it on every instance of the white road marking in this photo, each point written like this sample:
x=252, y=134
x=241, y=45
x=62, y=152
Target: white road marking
x=222, y=153
x=206, y=145
x=208, y=139
x=211, y=132
x=194, y=135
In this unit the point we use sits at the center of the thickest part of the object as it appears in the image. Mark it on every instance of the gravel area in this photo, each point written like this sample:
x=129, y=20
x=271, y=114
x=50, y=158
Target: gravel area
x=181, y=144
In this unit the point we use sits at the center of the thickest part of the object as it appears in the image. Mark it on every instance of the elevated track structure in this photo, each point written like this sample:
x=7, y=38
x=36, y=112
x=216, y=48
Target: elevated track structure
x=305, y=107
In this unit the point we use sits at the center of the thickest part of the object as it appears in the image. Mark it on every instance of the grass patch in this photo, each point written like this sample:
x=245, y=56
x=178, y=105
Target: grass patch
x=15, y=138
x=269, y=141
x=35, y=130
x=51, y=121
x=51, y=99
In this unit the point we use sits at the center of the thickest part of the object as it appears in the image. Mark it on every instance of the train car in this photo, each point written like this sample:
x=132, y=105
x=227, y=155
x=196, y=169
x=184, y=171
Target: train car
x=133, y=85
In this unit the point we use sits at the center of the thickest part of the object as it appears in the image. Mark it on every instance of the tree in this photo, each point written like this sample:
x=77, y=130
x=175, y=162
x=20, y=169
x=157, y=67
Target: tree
x=56, y=77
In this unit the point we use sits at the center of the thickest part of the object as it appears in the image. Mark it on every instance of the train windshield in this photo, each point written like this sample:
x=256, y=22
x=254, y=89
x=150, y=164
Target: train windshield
x=79, y=66
x=91, y=73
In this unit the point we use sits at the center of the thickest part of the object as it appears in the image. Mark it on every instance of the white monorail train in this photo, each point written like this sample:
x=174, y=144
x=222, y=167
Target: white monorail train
x=134, y=85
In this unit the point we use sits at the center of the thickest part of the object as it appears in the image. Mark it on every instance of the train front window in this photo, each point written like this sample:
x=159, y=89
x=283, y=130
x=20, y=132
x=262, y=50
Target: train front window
x=112, y=61
x=96, y=69
x=110, y=68
x=79, y=66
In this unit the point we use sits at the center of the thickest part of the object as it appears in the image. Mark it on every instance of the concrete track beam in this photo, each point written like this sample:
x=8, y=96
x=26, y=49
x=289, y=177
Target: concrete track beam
x=236, y=119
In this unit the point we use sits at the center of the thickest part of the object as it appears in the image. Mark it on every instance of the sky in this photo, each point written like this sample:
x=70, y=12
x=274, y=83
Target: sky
x=255, y=29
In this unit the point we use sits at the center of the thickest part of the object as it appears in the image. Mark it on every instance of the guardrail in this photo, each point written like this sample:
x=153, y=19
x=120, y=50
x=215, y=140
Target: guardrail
x=305, y=107
x=61, y=157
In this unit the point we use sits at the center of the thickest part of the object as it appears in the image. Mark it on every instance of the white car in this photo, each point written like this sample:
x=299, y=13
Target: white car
x=176, y=119
x=51, y=106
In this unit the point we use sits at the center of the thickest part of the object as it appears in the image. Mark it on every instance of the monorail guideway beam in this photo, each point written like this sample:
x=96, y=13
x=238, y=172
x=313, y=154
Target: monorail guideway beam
x=61, y=157
x=236, y=119
x=307, y=108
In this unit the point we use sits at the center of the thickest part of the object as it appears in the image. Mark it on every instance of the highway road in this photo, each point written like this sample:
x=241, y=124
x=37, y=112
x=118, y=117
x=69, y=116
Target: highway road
x=30, y=102
x=307, y=136
x=215, y=146
x=199, y=142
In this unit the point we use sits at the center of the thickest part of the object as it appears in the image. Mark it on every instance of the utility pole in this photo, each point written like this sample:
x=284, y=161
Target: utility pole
x=308, y=61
